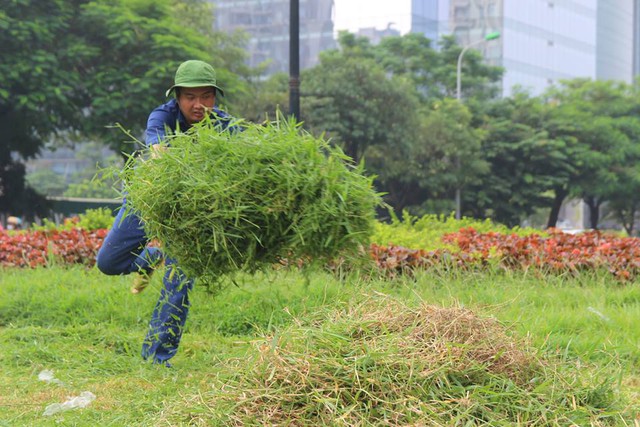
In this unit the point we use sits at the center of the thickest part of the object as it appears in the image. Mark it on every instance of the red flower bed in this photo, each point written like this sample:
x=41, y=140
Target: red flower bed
x=37, y=248
x=557, y=253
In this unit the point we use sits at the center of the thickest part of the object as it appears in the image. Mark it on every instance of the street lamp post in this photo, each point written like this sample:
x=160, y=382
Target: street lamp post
x=294, y=59
x=488, y=37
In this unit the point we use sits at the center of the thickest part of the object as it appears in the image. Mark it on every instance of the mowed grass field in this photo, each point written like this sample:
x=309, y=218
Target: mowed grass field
x=87, y=329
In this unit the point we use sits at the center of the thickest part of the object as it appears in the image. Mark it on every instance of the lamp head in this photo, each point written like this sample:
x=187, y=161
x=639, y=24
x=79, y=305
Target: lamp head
x=492, y=36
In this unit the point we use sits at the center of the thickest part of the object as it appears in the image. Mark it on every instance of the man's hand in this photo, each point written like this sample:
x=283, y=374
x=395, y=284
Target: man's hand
x=157, y=149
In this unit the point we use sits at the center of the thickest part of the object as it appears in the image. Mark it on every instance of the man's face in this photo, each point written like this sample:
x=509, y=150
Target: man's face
x=195, y=102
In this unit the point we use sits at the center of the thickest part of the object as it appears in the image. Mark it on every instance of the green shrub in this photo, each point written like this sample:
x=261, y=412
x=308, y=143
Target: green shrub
x=95, y=219
x=91, y=219
x=50, y=225
x=426, y=232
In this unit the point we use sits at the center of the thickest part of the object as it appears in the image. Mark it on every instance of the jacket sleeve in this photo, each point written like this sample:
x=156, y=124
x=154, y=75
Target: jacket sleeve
x=157, y=125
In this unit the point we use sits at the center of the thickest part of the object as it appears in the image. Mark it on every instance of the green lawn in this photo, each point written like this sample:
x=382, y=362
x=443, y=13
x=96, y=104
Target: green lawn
x=87, y=328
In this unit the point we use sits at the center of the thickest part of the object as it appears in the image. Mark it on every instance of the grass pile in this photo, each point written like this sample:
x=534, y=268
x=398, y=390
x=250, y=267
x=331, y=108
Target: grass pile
x=224, y=202
x=384, y=363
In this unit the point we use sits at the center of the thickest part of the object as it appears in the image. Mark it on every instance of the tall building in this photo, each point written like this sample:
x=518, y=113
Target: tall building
x=542, y=41
x=615, y=40
x=636, y=38
x=267, y=23
x=426, y=18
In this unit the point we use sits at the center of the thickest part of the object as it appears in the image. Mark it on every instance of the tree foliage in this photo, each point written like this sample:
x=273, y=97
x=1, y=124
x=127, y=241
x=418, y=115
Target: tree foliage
x=390, y=104
x=356, y=103
x=433, y=70
x=268, y=97
x=381, y=103
x=88, y=64
x=601, y=116
x=443, y=156
x=526, y=162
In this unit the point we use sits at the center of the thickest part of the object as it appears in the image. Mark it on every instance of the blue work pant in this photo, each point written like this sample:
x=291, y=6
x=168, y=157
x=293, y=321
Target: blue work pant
x=125, y=251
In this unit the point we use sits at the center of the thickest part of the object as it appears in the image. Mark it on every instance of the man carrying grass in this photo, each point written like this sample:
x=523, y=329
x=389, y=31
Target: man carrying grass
x=125, y=250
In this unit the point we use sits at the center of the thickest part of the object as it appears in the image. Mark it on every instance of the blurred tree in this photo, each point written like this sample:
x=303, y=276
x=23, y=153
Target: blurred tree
x=99, y=187
x=356, y=103
x=434, y=71
x=526, y=162
x=47, y=182
x=88, y=64
x=625, y=203
x=624, y=200
x=135, y=48
x=379, y=103
x=602, y=117
x=37, y=91
x=99, y=178
x=269, y=96
x=445, y=155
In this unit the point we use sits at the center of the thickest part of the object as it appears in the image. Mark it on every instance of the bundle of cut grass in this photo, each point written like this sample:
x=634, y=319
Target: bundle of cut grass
x=223, y=202
x=384, y=363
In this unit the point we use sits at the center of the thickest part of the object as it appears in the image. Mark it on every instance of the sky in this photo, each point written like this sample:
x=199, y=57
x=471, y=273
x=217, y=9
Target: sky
x=354, y=14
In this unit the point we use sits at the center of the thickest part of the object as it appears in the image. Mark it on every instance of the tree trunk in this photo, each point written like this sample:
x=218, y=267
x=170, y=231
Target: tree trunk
x=594, y=210
x=628, y=221
x=629, y=228
x=560, y=195
x=351, y=150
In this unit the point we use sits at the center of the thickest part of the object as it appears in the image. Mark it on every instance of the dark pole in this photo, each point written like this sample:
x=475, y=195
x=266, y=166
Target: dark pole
x=294, y=59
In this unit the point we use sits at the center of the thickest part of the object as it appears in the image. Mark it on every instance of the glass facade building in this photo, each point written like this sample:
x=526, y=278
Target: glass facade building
x=616, y=40
x=267, y=23
x=426, y=19
x=546, y=41
x=542, y=41
x=636, y=37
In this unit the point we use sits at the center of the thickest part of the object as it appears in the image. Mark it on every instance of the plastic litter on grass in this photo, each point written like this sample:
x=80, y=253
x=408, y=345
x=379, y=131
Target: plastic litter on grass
x=82, y=401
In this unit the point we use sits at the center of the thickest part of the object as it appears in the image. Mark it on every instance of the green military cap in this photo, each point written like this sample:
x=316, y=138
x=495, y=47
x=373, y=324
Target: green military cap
x=194, y=73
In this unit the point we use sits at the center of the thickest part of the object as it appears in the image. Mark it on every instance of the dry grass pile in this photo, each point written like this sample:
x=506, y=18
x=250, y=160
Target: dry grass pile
x=383, y=363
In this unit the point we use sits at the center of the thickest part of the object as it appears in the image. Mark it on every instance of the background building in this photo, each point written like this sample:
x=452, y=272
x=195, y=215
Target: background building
x=616, y=41
x=542, y=41
x=636, y=37
x=426, y=18
x=375, y=35
x=267, y=23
